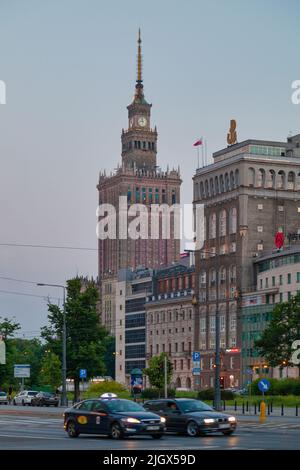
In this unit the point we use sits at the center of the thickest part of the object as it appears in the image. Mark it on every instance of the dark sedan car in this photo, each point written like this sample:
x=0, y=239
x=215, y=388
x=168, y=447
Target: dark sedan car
x=112, y=416
x=45, y=399
x=192, y=417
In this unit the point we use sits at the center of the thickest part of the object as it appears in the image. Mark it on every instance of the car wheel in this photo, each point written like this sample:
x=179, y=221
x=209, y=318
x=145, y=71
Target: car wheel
x=157, y=436
x=116, y=431
x=14, y=402
x=56, y=405
x=23, y=402
x=228, y=433
x=192, y=429
x=72, y=429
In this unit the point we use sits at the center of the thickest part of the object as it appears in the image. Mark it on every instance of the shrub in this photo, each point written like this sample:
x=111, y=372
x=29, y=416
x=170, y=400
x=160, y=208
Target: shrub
x=281, y=387
x=108, y=386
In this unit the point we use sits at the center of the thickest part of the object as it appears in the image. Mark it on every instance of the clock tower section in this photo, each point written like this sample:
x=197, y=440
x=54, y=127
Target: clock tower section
x=139, y=141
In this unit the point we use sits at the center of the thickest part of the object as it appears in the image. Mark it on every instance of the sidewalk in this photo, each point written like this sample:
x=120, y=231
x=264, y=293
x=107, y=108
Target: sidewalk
x=277, y=411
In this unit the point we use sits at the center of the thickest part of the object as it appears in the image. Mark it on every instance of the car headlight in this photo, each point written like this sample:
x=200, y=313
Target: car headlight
x=208, y=420
x=162, y=419
x=232, y=419
x=132, y=420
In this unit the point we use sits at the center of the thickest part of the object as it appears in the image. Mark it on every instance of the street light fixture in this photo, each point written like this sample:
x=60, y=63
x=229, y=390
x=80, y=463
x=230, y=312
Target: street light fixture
x=64, y=401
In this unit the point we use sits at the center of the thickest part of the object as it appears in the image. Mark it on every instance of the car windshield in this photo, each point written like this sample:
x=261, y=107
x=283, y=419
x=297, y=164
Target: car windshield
x=2, y=394
x=32, y=393
x=123, y=406
x=191, y=406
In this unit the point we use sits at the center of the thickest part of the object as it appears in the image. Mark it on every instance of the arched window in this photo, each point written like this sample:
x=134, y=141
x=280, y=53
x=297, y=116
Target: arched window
x=291, y=180
x=231, y=180
x=178, y=383
x=281, y=180
x=226, y=182
x=261, y=178
x=271, y=179
x=202, y=194
x=232, y=220
x=216, y=185
x=221, y=184
x=211, y=184
x=237, y=178
x=212, y=225
x=212, y=277
x=222, y=223
x=188, y=383
x=232, y=274
x=298, y=182
x=206, y=189
x=251, y=176
x=222, y=276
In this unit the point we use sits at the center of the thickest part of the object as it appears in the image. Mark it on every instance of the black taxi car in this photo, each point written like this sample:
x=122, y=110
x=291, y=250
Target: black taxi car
x=114, y=417
x=192, y=417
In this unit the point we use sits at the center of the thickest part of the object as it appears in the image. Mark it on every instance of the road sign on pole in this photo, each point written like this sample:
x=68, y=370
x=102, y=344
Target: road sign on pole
x=264, y=385
x=196, y=356
x=22, y=371
x=82, y=373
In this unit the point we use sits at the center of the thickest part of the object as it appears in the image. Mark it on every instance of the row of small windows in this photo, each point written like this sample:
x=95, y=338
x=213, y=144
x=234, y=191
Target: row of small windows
x=212, y=323
x=217, y=185
x=261, y=178
x=151, y=196
x=280, y=280
x=176, y=315
x=175, y=348
x=171, y=331
x=227, y=223
x=138, y=144
x=212, y=345
x=230, y=275
x=275, y=263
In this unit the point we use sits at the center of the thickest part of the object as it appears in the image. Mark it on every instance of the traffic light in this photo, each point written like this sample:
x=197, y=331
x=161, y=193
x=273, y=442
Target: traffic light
x=222, y=382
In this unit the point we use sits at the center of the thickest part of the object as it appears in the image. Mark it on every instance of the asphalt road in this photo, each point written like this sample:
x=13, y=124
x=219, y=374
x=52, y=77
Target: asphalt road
x=42, y=429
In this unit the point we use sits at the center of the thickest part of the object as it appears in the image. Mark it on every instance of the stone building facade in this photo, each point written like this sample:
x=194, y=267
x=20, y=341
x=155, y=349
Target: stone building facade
x=250, y=192
x=170, y=318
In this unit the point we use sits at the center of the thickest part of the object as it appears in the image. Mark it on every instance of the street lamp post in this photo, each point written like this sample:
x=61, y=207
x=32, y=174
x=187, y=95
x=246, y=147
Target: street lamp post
x=64, y=401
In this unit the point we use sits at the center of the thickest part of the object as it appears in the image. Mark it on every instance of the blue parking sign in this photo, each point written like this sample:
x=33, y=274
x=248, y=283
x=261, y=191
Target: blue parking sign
x=196, y=356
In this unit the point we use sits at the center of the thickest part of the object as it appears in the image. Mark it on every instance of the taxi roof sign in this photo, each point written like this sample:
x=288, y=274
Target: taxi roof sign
x=108, y=395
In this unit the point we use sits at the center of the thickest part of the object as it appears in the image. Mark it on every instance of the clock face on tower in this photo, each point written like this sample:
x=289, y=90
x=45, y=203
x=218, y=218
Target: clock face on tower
x=142, y=121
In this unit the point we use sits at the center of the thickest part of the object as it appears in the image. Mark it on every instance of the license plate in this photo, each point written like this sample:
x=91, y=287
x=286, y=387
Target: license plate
x=224, y=426
x=152, y=428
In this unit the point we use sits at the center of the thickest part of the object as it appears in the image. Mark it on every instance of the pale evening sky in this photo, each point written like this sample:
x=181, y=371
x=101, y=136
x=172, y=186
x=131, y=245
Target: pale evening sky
x=69, y=68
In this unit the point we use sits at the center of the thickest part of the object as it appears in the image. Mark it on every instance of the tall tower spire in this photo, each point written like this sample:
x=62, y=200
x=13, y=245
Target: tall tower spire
x=139, y=60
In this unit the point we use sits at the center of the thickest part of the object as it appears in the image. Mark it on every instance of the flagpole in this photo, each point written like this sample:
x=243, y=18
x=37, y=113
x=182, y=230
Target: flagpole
x=202, y=151
x=206, y=151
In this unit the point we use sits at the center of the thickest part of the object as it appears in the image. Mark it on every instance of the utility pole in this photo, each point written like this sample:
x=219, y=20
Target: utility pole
x=166, y=375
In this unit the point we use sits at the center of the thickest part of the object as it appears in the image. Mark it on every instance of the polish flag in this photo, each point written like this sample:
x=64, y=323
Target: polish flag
x=198, y=142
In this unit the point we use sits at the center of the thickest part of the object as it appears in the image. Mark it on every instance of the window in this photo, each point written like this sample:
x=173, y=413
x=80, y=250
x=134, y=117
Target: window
x=260, y=228
x=280, y=209
x=233, y=247
x=280, y=297
x=232, y=220
x=176, y=347
x=212, y=322
x=267, y=282
x=202, y=325
x=181, y=364
x=289, y=278
x=289, y=295
x=261, y=283
x=212, y=225
x=157, y=349
x=260, y=207
x=170, y=348
x=212, y=343
x=260, y=247
x=211, y=362
x=232, y=362
x=273, y=281
x=175, y=365
x=182, y=346
x=280, y=280
x=222, y=223
x=233, y=342
x=232, y=322
x=298, y=277
x=203, y=344
x=222, y=323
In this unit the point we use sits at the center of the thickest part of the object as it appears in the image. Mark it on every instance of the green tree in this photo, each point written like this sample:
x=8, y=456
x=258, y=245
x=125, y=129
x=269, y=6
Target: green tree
x=8, y=327
x=276, y=341
x=50, y=373
x=85, y=336
x=156, y=373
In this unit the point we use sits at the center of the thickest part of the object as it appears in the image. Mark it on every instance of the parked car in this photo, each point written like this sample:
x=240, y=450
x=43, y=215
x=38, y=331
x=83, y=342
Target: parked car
x=3, y=398
x=114, y=417
x=25, y=397
x=191, y=417
x=45, y=399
